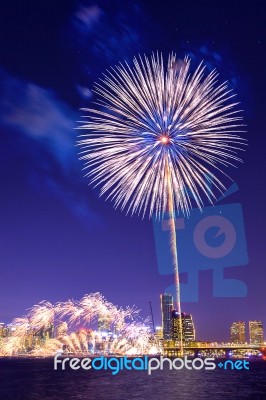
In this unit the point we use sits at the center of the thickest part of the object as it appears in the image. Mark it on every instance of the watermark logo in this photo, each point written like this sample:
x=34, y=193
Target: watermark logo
x=213, y=238
x=234, y=365
x=115, y=365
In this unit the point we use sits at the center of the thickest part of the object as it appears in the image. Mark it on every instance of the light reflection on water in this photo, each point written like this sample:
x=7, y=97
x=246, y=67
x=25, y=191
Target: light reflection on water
x=35, y=379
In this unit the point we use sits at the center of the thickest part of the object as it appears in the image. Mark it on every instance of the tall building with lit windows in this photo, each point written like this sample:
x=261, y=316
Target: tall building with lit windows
x=167, y=305
x=238, y=332
x=175, y=334
x=256, y=334
x=188, y=329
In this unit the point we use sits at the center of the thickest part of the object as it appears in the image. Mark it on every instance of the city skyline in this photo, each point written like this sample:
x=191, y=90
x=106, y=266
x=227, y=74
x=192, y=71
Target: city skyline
x=168, y=330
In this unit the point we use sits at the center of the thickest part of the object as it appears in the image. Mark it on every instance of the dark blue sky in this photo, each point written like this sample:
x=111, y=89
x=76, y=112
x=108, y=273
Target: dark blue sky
x=58, y=240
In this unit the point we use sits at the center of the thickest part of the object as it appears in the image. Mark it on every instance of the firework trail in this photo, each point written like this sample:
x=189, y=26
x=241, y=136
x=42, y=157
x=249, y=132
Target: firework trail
x=70, y=309
x=11, y=346
x=156, y=135
x=42, y=315
x=22, y=326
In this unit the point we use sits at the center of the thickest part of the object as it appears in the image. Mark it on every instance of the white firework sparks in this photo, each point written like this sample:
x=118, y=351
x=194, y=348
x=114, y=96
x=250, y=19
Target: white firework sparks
x=158, y=133
x=33, y=334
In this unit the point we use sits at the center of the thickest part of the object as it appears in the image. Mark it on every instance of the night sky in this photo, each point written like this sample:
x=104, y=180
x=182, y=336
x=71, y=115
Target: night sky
x=58, y=240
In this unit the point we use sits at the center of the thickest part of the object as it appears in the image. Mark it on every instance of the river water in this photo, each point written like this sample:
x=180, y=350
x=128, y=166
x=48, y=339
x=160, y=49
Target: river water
x=36, y=379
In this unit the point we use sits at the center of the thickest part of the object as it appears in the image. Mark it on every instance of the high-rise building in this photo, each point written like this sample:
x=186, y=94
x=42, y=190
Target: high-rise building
x=175, y=333
x=238, y=332
x=256, y=334
x=188, y=329
x=166, y=309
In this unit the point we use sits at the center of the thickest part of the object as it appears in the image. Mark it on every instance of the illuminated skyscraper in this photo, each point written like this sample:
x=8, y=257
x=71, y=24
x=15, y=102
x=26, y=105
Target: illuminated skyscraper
x=166, y=308
x=175, y=333
x=188, y=328
x=187, y=324
x=256, y=334
x=238, y=332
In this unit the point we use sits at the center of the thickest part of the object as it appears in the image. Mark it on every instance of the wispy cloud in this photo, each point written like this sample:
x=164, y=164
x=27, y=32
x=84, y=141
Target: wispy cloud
x=87, y=16
x=38, y=114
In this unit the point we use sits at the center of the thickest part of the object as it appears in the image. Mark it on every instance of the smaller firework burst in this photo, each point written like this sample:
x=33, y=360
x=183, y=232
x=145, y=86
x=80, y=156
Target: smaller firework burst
x=68, y=327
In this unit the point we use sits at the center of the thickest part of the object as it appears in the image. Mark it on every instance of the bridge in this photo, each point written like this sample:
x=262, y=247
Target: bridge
x=173, y=349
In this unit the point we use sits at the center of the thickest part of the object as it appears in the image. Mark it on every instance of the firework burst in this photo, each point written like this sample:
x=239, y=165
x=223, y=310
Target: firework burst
x=158, y=132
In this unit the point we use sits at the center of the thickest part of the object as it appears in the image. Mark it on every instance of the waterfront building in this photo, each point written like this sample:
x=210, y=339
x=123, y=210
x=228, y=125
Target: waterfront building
x=175, y=325
x=166, y=310
x=188, y=329
x=256, y=334
x=238, y=332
